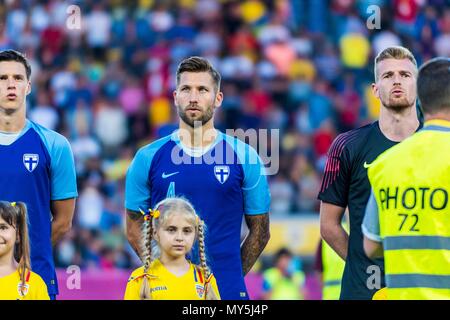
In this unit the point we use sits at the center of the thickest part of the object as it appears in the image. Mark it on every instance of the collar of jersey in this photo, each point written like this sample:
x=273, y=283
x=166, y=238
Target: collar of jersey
x=157, y=264
x=20, y=133
x=24, y=129
x=437, y=123
x=190, y=151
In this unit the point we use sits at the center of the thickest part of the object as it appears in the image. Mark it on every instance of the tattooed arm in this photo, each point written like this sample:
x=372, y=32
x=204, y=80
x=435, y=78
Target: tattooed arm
x=134, y=224
x=256, y=240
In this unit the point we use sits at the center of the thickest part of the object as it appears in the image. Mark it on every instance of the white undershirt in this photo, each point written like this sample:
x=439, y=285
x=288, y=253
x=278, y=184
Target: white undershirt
x=7, y=138
x=198, y=151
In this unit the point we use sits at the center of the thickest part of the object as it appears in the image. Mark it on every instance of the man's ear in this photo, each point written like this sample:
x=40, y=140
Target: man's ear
x=375, y=90
x=174, y=94
x=219, y=99
x=29, y=88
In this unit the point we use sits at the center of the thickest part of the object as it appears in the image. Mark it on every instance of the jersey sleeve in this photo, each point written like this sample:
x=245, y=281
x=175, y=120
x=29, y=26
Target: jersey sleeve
x=371, y=222
x=63, y=177
x=255, y=187
x=336, y=179
x=137, y=186
x=133, y=288
x=62, y=165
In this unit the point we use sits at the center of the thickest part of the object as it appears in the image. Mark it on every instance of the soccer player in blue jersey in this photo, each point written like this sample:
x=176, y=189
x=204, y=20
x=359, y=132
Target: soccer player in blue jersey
x=36, y=167
x=222, y=176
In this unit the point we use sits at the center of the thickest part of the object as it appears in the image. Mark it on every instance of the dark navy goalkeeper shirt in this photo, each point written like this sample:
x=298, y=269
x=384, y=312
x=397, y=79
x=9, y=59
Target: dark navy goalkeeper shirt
x=345, y=184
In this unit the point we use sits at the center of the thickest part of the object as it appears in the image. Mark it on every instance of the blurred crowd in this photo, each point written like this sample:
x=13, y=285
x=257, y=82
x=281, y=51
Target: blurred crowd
x=301, y=66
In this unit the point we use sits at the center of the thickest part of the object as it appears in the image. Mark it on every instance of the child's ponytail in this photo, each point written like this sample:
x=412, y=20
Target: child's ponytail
x=22, y=250
x=209, y=292
x=145, y=293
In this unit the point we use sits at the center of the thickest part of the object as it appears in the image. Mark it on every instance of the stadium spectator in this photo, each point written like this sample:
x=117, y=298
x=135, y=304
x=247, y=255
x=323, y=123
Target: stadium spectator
x=285, y=280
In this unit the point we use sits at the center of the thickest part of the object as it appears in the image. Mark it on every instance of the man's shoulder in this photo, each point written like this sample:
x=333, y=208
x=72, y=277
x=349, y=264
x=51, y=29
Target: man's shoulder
x=241, y=148
x=353, y=140
x=51, y=138
x=151, y=148
x=144, y=157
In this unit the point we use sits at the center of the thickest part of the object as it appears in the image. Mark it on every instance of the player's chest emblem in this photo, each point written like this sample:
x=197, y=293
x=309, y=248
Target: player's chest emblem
x=30, y=161
x=222, y=173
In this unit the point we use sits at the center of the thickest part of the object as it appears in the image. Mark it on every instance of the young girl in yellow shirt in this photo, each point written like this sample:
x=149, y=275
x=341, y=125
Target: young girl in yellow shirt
x=169, y=234
x=17, y=281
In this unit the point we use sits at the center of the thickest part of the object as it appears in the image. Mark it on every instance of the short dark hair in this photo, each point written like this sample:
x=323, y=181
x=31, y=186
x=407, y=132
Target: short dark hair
x=433, y=85
x=282, y=252
x=198, y=64
x=13, y=55
x=394, y=52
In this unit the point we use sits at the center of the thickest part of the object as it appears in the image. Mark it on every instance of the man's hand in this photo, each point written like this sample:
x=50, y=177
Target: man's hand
x=373, y=249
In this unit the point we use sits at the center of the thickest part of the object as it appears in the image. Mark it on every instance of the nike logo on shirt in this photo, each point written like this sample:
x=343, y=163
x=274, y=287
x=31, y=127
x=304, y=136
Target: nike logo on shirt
x=164, y=175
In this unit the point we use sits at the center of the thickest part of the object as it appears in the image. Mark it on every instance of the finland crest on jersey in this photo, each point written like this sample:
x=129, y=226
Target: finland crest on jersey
x=222, y=173
x=30, y=161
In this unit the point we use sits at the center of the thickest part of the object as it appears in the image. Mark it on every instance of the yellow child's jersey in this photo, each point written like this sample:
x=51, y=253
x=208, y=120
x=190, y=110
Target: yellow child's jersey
x=35, y=287
x=164, y=285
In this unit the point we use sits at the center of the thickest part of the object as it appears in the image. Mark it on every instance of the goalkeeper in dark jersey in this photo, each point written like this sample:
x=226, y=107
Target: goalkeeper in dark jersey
x=345, y=183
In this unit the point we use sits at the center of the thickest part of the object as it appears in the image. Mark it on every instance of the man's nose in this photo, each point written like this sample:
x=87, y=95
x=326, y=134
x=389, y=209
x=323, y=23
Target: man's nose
x=397, y=79
x=193, y=97
x=11, y=83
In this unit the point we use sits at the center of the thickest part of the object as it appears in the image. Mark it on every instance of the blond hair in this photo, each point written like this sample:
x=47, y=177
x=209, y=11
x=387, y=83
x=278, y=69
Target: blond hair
x=394, y=52
x=151, y=249
x=15, y=214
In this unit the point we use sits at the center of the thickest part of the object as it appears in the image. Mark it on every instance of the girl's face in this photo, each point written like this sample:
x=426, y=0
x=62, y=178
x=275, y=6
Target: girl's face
x=7, y=237
x=176, y=236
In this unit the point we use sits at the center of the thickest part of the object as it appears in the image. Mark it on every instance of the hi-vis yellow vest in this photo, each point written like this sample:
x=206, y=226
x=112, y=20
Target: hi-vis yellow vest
x=285, y=288
x=333, y=269
x=411, y=185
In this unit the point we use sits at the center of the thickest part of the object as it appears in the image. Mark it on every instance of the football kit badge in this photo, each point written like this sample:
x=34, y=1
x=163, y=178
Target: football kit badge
x=30, y=161
x=222, y=173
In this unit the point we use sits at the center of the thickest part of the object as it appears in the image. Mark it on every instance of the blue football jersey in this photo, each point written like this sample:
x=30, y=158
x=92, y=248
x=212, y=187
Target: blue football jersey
x=224, y=183
x=36, y=168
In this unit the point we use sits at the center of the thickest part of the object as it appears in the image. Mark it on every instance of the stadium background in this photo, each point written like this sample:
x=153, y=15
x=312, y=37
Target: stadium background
x=301, y=66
